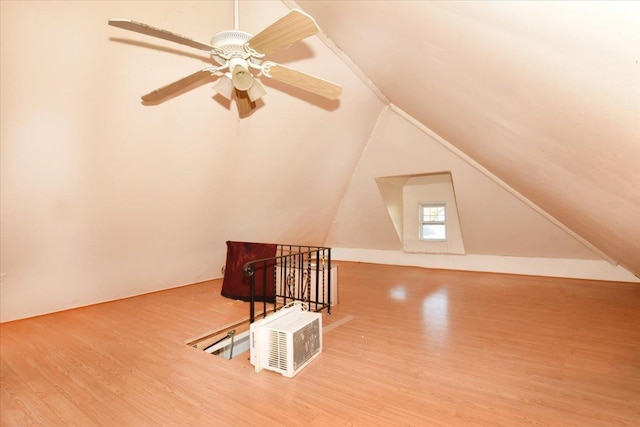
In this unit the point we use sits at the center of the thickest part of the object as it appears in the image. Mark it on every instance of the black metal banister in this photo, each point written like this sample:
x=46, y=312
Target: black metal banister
x=293, y=277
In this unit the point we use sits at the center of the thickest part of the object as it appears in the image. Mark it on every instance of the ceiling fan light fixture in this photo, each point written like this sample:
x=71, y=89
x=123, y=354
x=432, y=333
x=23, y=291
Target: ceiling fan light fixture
x=236, y=52
x=224, y=86
x=256, y=91
x=242, y=78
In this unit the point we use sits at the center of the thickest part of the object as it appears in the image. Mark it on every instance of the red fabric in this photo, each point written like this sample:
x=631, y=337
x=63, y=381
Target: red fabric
x=235, y=284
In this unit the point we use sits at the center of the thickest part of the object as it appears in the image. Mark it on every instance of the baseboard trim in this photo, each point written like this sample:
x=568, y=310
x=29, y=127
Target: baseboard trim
x=550, y=267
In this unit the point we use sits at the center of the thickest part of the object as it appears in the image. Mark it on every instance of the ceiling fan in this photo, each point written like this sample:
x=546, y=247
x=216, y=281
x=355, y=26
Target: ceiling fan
x=236, y=54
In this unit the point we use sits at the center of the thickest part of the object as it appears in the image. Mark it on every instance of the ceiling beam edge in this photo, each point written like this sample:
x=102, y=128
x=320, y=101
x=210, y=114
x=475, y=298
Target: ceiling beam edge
x=383, y=113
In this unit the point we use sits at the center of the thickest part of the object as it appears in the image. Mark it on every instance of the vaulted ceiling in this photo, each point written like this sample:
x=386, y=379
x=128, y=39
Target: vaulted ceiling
x=532, y=107
x=545, y=95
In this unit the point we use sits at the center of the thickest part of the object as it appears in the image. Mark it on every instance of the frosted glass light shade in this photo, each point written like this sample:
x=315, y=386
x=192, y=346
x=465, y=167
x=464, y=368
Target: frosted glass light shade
x=256, y=91
x=224, y=86
x=242, y=78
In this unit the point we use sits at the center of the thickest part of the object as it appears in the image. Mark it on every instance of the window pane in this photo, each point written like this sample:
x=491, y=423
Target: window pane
x=433, y=232
x=433, y=214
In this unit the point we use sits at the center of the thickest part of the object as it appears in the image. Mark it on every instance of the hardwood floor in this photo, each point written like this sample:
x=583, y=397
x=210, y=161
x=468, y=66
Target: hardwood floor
x=405, y=346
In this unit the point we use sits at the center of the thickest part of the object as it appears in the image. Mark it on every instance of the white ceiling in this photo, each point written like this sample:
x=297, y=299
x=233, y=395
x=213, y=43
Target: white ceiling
x=545, y=95
x=103, y=197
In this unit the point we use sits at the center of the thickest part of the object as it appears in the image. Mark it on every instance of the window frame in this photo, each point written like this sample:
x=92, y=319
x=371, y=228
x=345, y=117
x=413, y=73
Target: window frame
x=422, y=222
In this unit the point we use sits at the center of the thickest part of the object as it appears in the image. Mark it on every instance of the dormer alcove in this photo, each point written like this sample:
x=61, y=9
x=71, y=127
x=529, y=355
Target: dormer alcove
x=406, y=197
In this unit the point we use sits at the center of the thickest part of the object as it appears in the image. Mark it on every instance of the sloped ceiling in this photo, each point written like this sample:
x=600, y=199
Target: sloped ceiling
x=545, y=95
x=490, y=217
x=102, y=197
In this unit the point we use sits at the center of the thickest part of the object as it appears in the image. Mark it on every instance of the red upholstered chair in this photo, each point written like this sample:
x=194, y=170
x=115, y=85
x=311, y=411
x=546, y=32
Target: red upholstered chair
x=235, y=284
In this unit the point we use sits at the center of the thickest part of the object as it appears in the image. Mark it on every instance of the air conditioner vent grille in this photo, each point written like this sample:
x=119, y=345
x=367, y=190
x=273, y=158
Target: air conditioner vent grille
x=306, y=343
x=278, y=349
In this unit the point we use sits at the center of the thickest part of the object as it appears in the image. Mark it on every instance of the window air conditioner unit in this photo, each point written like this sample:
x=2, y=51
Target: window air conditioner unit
x=285, y=341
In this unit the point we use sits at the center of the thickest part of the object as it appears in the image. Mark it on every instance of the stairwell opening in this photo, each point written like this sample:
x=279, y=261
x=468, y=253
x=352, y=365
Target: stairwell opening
x=228, y=342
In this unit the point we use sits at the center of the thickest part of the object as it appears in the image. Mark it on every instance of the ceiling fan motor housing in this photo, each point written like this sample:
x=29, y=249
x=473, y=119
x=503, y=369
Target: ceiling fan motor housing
x=231, y=43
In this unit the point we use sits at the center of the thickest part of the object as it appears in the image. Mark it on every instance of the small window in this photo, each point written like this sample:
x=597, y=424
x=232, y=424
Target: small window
x=432, y=221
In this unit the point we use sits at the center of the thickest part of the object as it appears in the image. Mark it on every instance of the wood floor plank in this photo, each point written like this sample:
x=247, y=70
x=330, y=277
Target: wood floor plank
x=408, y=346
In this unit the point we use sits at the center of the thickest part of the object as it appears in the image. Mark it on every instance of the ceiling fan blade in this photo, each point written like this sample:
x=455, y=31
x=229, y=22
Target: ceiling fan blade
x=244, y=104
x=292, y=27
x=304, y=81
x=139, y=27
x=164, y=92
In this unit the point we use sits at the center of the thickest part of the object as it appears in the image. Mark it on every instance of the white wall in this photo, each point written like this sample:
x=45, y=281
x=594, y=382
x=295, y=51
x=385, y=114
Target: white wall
x=500, y=231
x=104, y=198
